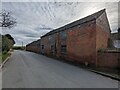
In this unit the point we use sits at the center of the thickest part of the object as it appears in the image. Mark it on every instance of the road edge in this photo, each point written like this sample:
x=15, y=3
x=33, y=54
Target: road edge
x=105, y=74
x=3, y=63
x=91, y=70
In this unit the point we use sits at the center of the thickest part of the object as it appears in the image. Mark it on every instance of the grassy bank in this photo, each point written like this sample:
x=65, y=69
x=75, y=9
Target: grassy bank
x=0, y=57
x=3, y=56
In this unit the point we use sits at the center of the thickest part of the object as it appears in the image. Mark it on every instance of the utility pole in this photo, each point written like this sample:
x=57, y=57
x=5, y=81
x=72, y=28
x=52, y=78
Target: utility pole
x=22, y=45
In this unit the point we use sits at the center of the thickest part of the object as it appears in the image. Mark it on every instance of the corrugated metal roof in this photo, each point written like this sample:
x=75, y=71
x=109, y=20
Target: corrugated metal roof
x=78, y=22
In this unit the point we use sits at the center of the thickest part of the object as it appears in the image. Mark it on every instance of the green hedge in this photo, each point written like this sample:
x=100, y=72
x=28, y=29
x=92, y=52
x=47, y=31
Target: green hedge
x=19, y=48
x=6, y=43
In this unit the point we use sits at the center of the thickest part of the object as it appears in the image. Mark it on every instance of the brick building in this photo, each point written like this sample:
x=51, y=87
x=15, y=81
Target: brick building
x=79, y=40
x=33, y=46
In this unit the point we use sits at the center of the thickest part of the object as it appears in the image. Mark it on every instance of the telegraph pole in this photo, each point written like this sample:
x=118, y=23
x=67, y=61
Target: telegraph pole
x=22, y=45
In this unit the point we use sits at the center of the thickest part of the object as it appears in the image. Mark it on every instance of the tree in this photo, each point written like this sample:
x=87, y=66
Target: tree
x=10, y=37
x=7, y=42
x=6, y=20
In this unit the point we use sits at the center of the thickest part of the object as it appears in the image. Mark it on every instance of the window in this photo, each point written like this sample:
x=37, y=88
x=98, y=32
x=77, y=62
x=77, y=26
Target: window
x=38, y=45
x=49, y=38
x=79, y=26
x=51, y=48
x=42, y=46
x=63, y=35
x=63, y=49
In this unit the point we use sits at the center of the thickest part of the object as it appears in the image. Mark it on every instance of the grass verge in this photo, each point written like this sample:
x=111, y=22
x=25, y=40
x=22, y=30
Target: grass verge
x=3, y=55
x=0, y=57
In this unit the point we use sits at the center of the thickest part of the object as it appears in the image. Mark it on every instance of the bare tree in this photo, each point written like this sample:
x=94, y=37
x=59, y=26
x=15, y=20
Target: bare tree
x=6, y=20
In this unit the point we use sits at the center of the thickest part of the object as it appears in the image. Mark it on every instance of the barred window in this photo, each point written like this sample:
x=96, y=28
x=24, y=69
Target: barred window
x=49, y=38
x=42, y=46
x=38, y=44
x=63, y=35
x=63, y=49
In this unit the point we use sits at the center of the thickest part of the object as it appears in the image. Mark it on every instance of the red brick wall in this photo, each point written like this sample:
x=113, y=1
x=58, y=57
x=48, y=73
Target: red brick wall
x=49, y=41
x=34, y=46
x=44, y=41
x=81, y=43
x=33, y=49
x=102, y=38
x=108, y=59
x=59, y=45
x=102, y=33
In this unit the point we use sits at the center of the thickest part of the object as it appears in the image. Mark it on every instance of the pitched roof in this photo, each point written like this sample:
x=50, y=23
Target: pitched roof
x=34, y=42
x=78, y=22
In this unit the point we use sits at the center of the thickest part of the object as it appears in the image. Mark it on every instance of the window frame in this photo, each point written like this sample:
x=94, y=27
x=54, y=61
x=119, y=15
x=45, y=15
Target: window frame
x=63, y=49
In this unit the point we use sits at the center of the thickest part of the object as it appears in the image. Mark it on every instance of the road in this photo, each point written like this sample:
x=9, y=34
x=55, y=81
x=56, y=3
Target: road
x=29, y=70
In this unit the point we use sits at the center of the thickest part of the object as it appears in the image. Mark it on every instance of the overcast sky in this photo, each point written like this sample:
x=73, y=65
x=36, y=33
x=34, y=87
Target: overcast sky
x=34, y=19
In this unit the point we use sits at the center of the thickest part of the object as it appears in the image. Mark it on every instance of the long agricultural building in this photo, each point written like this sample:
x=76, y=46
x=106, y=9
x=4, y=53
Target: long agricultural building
x=78, y=41
x=33, y=46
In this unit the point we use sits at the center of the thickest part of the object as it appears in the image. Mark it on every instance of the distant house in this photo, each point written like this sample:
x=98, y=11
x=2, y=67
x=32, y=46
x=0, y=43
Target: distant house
x=79, y=40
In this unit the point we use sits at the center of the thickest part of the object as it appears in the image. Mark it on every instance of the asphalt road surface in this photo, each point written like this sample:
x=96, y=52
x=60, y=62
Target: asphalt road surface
x=30, y=70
